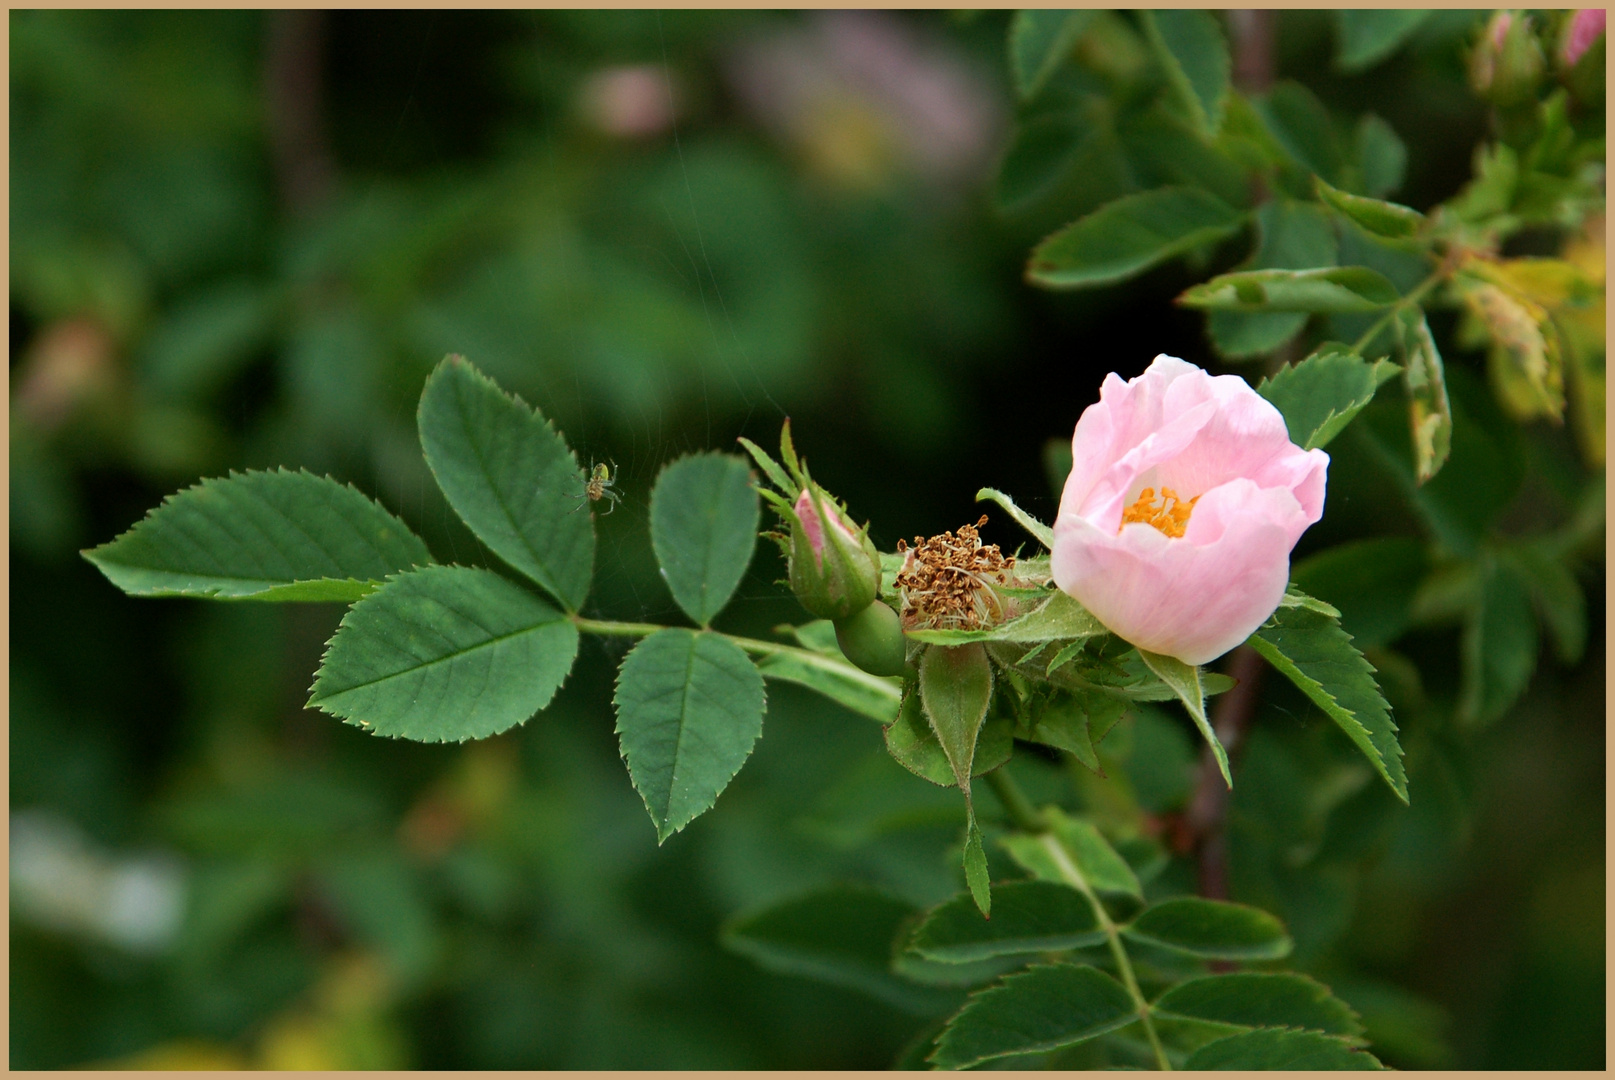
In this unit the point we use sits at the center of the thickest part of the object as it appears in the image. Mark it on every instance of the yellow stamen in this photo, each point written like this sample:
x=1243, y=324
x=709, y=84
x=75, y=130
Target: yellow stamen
x=1170, y=514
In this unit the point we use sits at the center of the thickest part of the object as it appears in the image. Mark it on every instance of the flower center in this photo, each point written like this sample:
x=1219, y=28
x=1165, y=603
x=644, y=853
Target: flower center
x=1168, y=513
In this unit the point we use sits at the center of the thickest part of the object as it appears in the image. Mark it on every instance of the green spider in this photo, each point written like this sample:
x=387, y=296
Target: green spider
x=602, y=479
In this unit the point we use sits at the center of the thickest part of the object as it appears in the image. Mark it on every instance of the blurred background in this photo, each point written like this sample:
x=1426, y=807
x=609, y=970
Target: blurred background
x=241, y=240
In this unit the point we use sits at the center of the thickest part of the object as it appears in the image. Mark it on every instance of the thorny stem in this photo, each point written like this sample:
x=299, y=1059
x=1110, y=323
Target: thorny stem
x=1026, y=817
x=1411, y=298
x=1073, y=876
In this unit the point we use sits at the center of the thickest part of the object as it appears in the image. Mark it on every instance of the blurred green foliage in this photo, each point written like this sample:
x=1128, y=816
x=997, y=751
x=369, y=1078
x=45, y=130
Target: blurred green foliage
x=243, y=240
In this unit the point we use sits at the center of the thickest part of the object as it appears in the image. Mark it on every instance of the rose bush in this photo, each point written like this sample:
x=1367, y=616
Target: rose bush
x=1184, y=501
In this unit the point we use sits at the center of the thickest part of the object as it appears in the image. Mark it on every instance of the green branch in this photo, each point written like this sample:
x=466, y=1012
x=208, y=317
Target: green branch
x=843, y=668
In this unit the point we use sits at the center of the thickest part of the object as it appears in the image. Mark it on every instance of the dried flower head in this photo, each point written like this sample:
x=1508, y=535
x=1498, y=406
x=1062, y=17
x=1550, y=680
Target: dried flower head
x=948, y=581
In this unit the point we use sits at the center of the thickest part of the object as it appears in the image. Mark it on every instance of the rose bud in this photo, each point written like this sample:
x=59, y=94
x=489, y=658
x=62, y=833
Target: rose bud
x=834, y=567
x=1507, y=62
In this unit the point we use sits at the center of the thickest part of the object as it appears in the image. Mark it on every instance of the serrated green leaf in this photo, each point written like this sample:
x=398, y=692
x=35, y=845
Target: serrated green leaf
x=1294, y=597
x=1558, y=597
x=1126, y=676
x=1028, y=917
x=1364, y=38
x=1211, y=929
x=1039, y=41
x=1381, y=156
x=842, y=935
x=1041, y=532
x=1242, y=335
x=1270, y=1049
x=1059, y=618
x=261, y=536
x=1074, y=721
x=1252, y=999
x=956, y=687
x=1329, y=290
x=913, y=745
x=1388, y=219
x=1041, y=1008
x=1499, y=645
x=975, y=863
x=1300, y=125
x=1293, y=235
x=509, y=476
x=911, y=965
x=703, y=527
x=445, y=654
x=689, y=709
x=1128, y=236
x=1101, y=865
x=1164, y=148
x=1185, y=681
x=1191, y=48
x=1312, y=651
x=830, y=674
x=1078, y=842
x=1323, y=393
x=1043, y=152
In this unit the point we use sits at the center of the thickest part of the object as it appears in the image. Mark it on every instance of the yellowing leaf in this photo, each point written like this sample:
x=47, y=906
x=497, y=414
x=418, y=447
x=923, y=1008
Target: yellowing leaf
x=1524, y=358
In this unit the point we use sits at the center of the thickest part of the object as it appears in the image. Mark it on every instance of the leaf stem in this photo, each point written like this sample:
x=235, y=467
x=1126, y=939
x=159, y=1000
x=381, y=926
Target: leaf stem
x=1015, y=802
x=1411, y=298
x=1073, y=876
x=612, y=628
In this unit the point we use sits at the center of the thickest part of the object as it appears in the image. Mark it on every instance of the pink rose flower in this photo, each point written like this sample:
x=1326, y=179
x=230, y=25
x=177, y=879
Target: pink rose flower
x=1185, y=498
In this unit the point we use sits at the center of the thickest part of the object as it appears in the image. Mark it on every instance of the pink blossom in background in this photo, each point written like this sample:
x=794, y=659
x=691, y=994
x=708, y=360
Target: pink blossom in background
x=1184, y=500
x=867, y=95
x=1586, y=27
x=629, y=101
